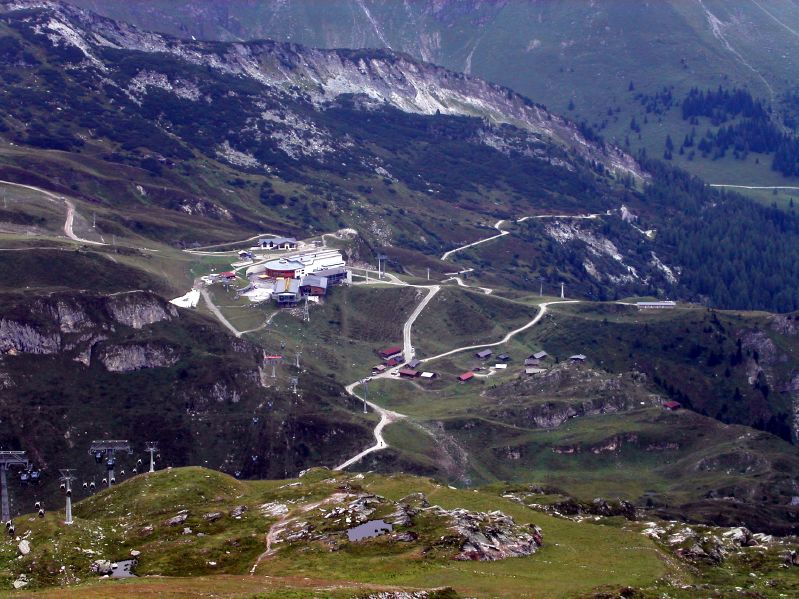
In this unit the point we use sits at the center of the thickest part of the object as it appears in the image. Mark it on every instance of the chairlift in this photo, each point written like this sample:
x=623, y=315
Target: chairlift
x=37, y=505
x=110, y=463
x=113, y=481
x=12, y=530
x=24, y=477
x=105, y=481
x=69, y=492
x=122, y=472
x=139, y=463
x=92, y=485
x=8, y=524
x=135, y=471
x=41, y=513
x=35, y=475
x=98, y=457
x=63, y=487
x=85, y=485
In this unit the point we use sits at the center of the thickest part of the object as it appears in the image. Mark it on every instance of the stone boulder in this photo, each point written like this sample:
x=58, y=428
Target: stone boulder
x=102, y=566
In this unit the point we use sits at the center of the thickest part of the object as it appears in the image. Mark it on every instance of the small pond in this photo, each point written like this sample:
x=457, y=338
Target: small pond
x=368, y=530
x=124, y=569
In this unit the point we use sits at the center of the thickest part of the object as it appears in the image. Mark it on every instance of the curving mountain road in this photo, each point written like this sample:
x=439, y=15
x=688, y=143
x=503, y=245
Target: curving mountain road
x=506, y=338
x=70, y=219
x=502, y=232
x=386, y=418
x=389, y=416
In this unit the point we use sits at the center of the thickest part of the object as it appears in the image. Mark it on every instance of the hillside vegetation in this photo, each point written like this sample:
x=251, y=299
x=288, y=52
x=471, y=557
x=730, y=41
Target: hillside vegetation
x=198, y=523
x=621, y=64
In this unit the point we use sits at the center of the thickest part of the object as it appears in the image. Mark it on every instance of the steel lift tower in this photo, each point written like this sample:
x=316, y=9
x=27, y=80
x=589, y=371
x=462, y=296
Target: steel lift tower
x=67, y=477
x=273, y=361
x=152, y=449
x=381, y=265
x=107, y=450
x=8, y=460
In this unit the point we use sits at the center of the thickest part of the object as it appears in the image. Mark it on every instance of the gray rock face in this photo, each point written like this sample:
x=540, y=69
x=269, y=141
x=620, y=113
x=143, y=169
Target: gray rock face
x=76, y=324
x=180, y=518
x=127, y=358
x=138, y=310
x=493, y=536
x=22, y=338
x=319, y=78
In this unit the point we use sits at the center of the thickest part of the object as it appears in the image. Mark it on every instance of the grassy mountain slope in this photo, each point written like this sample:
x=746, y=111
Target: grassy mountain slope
x=352, y=138
x=599, y=428
x=219, y=551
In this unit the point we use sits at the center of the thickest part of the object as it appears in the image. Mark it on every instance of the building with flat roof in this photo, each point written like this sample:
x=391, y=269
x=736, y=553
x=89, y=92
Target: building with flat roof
x=300, y=265
x=334, y=276
x=664, y=305
x=313, y=285
x=486, y=353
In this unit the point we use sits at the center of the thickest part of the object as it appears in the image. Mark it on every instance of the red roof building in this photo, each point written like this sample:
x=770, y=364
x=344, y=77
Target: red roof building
x=672, y=405
x=409, y=373
x=228, y=275
x=393, y=362
x=390, y=351
x=466, y=376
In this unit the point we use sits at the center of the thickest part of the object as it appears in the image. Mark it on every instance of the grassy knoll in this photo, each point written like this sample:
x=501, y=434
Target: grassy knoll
x=345, y=331
x=458, y=317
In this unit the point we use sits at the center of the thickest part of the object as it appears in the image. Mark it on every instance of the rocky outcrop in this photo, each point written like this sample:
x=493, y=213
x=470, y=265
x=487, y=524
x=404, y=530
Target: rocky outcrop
x=102, y=566
x=178, y=519
x=703, y=544
x=492, y=536
x=127, y=358
x=480, y=536
x=22, y=338
x=138, y=310
x=77, y=323
x=315, y=78
x=519, y=400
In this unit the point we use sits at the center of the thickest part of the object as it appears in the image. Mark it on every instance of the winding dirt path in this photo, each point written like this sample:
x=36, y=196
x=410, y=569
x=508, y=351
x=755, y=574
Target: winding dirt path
x=497, y=226
x=70, y=205
x=503, y=232
x=541, y=312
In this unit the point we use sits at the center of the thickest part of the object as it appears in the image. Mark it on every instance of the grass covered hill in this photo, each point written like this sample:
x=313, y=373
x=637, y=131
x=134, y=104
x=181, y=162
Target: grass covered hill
x=599, y=428
x=194, y=531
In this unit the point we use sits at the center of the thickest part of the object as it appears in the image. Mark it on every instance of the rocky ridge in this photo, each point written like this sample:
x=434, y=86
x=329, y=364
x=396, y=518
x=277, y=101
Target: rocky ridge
x=380, y=78
x=80, y=324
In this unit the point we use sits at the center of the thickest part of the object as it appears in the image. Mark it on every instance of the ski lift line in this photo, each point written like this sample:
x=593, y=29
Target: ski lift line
x=8, y=460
